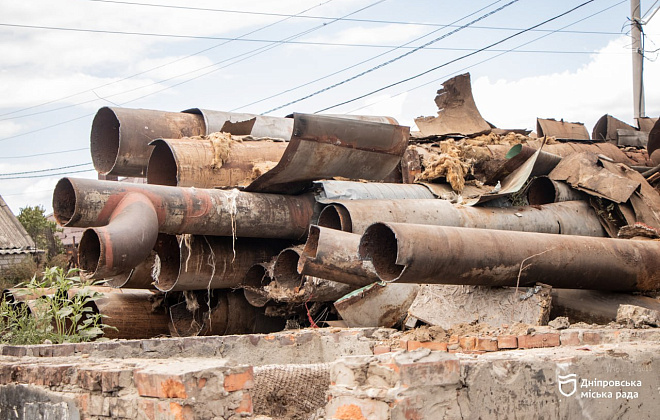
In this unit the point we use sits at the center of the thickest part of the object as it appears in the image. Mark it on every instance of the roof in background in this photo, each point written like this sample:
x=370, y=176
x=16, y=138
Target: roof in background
x=13, y=237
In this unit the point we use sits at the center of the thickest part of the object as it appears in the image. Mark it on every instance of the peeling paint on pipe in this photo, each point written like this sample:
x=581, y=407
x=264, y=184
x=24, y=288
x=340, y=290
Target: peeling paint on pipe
x=569, y=218
x=410, y=253
x=332, y=254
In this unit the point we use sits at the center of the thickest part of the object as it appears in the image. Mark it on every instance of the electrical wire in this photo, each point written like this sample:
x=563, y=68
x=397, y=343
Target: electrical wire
x=47, y=175
x=46, y=170
x=393, y=59
x=455, y=59
x=162, y=65
x=44, y=154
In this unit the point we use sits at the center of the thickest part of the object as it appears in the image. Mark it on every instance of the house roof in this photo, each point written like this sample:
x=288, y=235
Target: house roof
x=13, y=237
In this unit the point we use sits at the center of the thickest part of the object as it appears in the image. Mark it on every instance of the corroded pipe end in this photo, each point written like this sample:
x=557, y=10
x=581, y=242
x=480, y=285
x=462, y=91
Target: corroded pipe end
x=91, y=252
x=336, y=216
x=541, y=190
x=162, y=167
x=168, y=264
x=379, y=245
x=285, y=270
x=104, y=140
x=255, y=279
x=310, y=249
x=64, y=202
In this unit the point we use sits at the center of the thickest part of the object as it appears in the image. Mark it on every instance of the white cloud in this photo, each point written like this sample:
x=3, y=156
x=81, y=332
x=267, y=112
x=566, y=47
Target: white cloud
x=602, y=86
x=384, y=105
x=8, y=128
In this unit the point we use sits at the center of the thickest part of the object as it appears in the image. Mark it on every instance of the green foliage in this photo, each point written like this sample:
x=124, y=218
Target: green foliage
x=18, y=273
x=36, y=224
x=55, y=314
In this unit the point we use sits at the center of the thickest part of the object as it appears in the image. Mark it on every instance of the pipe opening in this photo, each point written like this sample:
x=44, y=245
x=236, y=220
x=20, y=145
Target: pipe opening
x=379, y=244
x=312, y=244
x=285, y=270
x=64, y=201
x=336, y=217
x=541, y=191
x=104, y=140
x=162, y=168
x=89, y=251
x=256, y=277
x=167, y=266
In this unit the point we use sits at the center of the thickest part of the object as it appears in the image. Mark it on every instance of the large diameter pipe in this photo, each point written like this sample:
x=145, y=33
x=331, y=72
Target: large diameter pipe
x=543, y=190
x=213, y=262
x=209, y=163
x=89, y=203
x=595, y=307
x=410, y=253
x=332, y=254
x=569, y=218
x=122, y=244
x=142, y=276
x=120, y=137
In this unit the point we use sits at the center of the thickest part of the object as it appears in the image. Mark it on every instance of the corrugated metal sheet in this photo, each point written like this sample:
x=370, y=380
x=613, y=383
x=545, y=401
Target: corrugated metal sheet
x=13, y=237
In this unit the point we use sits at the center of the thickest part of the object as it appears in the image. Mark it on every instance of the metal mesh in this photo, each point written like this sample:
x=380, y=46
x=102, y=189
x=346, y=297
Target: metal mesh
x=290, y=391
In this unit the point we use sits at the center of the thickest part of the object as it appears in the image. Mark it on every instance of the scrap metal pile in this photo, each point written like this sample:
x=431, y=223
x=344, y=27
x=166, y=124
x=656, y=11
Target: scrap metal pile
x=254, y=224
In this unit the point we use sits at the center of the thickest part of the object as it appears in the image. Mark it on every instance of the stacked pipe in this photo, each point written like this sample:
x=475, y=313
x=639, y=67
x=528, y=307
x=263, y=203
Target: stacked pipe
x=239, y=209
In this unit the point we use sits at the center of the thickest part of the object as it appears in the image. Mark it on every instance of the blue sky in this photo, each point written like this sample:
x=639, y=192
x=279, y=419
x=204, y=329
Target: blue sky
x=52, y=81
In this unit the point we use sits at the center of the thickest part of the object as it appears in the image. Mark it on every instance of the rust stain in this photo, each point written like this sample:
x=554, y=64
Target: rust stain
x=171, y=388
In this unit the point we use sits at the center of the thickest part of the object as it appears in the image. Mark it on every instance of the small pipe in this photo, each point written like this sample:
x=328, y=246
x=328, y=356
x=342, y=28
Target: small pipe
x=410, y=253
x=543, y=190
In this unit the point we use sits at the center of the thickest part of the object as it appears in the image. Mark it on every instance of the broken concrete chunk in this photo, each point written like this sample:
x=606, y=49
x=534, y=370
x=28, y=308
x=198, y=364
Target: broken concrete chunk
x=637, y=317
x=559, y=323
x=447, y=306
x=377, y=305
x=457, y=111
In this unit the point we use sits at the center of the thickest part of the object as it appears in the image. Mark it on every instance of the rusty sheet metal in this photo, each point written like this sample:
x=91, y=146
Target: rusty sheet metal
x=290, y=286
x=132, y=313
x=633, y=138
x=564, y=149
x=543, y=190
x=377, y=305
x=585, y=172
x=518, y=154
x=569, y=218
x=645, y=123
x=333, y=254
x=561, y=129
x=213, y=262
x=653, y=145
x=352, y=190
x=457, y=111
x=120, y=137
x=325, y=147
x=122, y=243
x=606, y=129
x=218, y=160
x=244, y=124
x=408, y=253
x=86, y=202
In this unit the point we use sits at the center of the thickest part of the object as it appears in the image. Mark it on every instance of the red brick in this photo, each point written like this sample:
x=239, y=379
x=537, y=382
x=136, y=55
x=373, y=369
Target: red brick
x=486, y=344
x=591, y=337
x=441, y=372
x=570, y=338
x=147, y=408
x=237, y=381
x=159, y=385
x=507, y=342
x=381, y=350
x=181, y=412
x=468, y=343
x=89, y=379
x=246, y=404
x=431, y=345
x=538, y=340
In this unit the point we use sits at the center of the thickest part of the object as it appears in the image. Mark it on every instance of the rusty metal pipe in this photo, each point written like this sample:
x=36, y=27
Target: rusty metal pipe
x=289, y=286
x=332, y=254
x=595, y=307
x=122, y=243
x=213, y=262
x=410, y=253
x=141, y=277
x=543, y=190
x=120, y=137
x=569, y=218
x=87, y=203
x=258, y=276
x=132, y=313
x=209, y=163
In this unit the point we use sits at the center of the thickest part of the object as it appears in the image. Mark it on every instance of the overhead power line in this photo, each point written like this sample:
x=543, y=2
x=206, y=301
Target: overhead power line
x=456, y=59
x=46, y=170
x=450, y=33
x=46, y=175
x=346, y=19
x=159, y=66
x=56, y=152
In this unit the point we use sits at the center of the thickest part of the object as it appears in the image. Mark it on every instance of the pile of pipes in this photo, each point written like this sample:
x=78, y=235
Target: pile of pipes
x=254, y=224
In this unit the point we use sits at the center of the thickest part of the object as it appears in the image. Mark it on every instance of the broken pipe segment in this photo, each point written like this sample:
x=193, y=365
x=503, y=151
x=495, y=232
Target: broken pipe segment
x=409, y=253
x=332, y=254
x=173, y=210
x=569, y=218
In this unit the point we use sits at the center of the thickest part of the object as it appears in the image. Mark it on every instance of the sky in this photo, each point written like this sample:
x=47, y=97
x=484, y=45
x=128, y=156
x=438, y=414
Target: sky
x=62, y=60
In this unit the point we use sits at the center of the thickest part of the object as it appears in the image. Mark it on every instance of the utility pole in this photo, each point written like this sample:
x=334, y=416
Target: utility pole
x=637, y=59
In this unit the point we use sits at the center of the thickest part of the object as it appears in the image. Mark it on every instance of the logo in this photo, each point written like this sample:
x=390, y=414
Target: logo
x=571, y=378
